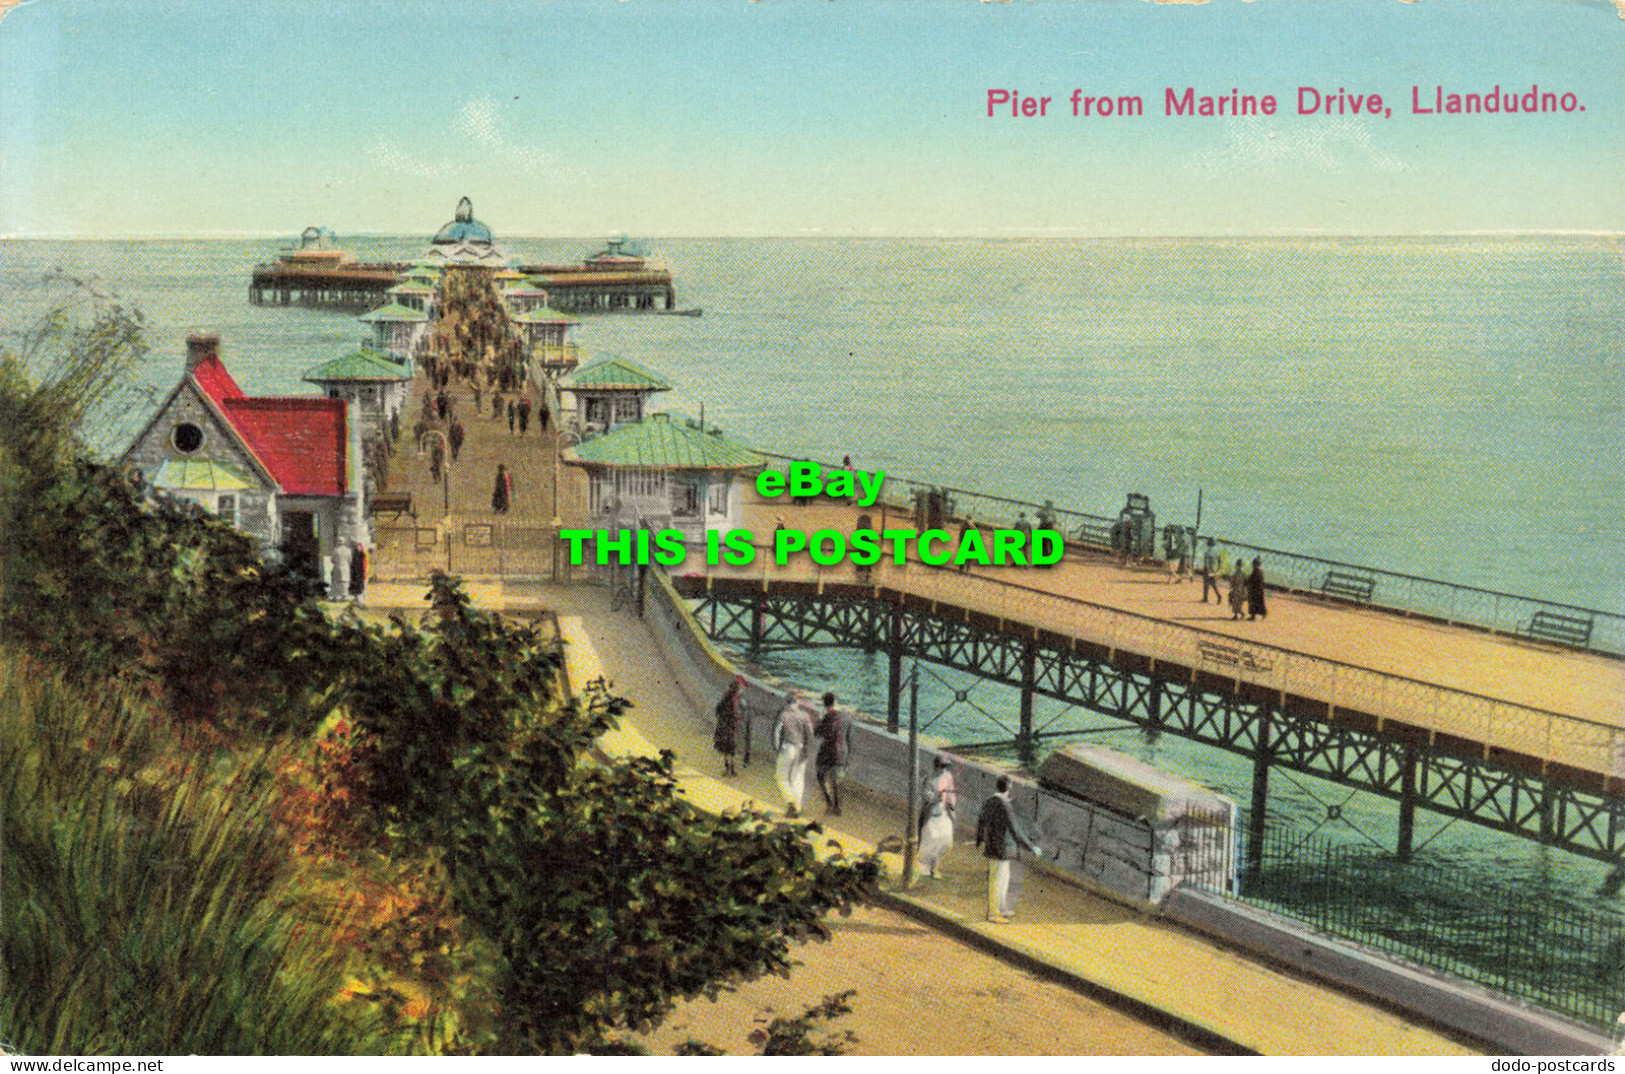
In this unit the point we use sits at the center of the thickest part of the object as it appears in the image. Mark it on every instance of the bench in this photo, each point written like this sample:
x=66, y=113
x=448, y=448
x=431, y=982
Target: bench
x=1349, y=586
x=1556, y=626
x=392, y=505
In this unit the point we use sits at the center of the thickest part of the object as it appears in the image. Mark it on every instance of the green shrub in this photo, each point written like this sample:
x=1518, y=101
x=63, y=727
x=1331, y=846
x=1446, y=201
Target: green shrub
x=609, y=896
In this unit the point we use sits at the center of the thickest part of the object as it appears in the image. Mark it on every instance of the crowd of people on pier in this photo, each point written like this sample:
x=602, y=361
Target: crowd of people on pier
x=473, y=358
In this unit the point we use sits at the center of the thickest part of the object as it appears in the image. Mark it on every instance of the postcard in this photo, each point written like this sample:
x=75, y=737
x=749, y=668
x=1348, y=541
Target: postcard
x=928, y=528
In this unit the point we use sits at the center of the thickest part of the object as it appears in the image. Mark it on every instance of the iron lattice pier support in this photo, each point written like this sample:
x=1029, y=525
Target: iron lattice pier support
x=894, y=651
x=1026, y=748
x=1578, y=811
x=1407, y=803
x=1261, y=796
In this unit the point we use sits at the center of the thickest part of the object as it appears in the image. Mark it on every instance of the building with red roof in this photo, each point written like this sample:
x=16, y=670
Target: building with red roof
x=284, y=469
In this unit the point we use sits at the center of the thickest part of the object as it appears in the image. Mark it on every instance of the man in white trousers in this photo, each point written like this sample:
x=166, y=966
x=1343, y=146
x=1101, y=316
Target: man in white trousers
x=793, y=735
x=1000, y=832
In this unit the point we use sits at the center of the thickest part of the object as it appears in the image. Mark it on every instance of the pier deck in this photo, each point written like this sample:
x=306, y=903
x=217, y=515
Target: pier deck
x=1380, y=664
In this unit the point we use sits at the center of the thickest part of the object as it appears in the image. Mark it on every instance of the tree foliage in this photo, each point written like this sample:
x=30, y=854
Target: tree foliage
x=608, y=894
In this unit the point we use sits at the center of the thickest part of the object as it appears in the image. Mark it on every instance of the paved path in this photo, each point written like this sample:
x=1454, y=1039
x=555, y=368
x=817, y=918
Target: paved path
x=1146, y=960
x=462, y=498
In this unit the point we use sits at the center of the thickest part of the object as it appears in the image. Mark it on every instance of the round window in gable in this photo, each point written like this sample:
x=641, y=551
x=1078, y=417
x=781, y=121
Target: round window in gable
x=188, y=437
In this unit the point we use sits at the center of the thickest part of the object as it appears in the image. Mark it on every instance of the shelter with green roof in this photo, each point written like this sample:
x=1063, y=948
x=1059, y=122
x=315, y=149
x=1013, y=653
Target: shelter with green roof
x=610, y=391
x=397, y=328
x=542, y=325
x=375, y=384
x=520, y=296
x=414, y=294
x=666, y=472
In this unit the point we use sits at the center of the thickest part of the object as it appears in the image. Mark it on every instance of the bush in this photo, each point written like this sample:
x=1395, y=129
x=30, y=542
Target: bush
x=609, y=896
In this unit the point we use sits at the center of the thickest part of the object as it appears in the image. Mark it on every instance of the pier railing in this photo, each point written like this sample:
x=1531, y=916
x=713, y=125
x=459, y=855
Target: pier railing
x=1564, y=958
x=1328, y=579
x=1350, y=690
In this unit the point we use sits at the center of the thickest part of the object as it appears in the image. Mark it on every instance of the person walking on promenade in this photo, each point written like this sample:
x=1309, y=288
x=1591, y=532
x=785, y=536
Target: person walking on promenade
x=941, y=804
x=543, y=414
x=1002, y=835
x=437, y=460
x=513, y=413
x=476, y=390
x=793, y=735
x=428, y=407
x=1255, y=591
x=524, y=415
x=1238, y=592
x=440, y=404
x=730, y=715
x=496, y=406
x=1210, y=573
x=834, y=747
x=502, y=494
x=358, y=570
x=455, y=435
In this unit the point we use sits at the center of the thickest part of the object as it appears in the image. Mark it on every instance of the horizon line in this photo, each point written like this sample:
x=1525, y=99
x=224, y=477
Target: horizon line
x=1001, y=235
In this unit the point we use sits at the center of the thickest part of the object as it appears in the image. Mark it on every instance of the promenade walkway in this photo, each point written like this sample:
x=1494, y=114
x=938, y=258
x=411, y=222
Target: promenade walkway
x=1145, y=961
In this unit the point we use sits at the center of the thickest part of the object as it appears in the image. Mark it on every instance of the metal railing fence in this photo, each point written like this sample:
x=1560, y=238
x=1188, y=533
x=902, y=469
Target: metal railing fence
x=1568, y=959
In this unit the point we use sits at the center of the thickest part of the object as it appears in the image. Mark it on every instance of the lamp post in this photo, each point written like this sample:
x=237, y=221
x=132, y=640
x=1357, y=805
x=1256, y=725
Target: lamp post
x=557, y=523
x=911, y=837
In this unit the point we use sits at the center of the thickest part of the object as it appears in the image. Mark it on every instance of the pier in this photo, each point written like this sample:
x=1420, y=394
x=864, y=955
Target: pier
x=574, y=289
x=1452, y=712
x=1521, y=736
x=617, y=279
x=350, y=286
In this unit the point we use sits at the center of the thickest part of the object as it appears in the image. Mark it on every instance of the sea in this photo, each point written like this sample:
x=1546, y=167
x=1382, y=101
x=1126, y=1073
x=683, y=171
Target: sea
x=1452, y=408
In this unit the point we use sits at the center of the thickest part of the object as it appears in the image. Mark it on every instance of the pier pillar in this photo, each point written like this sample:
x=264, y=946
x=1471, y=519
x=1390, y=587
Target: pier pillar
x=1548, y=810
x=756, y=609
x=1153, y=709
x=1407, y=803
x=894, y=689
x=1261, y=794
x=1026, y=752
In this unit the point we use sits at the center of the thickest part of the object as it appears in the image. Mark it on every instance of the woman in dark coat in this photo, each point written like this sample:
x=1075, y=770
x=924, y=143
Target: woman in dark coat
x=502, y=494
x=730, y=714
x=1255, y=590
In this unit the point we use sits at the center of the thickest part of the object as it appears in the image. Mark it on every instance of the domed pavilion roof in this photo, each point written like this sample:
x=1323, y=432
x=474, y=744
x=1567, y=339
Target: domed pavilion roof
x=463, y=228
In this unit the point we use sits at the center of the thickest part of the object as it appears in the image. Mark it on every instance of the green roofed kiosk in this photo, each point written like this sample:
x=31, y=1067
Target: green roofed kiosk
x=397, y=329
x=665, y=472
x=373, y=383
x=611, y=391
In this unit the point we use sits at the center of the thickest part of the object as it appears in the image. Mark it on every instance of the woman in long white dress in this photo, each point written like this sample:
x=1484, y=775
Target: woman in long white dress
x=937, y=816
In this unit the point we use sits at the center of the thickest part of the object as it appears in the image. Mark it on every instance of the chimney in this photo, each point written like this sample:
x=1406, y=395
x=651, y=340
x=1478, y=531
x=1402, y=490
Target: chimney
x=199, y=347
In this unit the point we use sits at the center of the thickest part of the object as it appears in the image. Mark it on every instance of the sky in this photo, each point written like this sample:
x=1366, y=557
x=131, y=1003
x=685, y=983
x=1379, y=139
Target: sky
x=716, y=118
